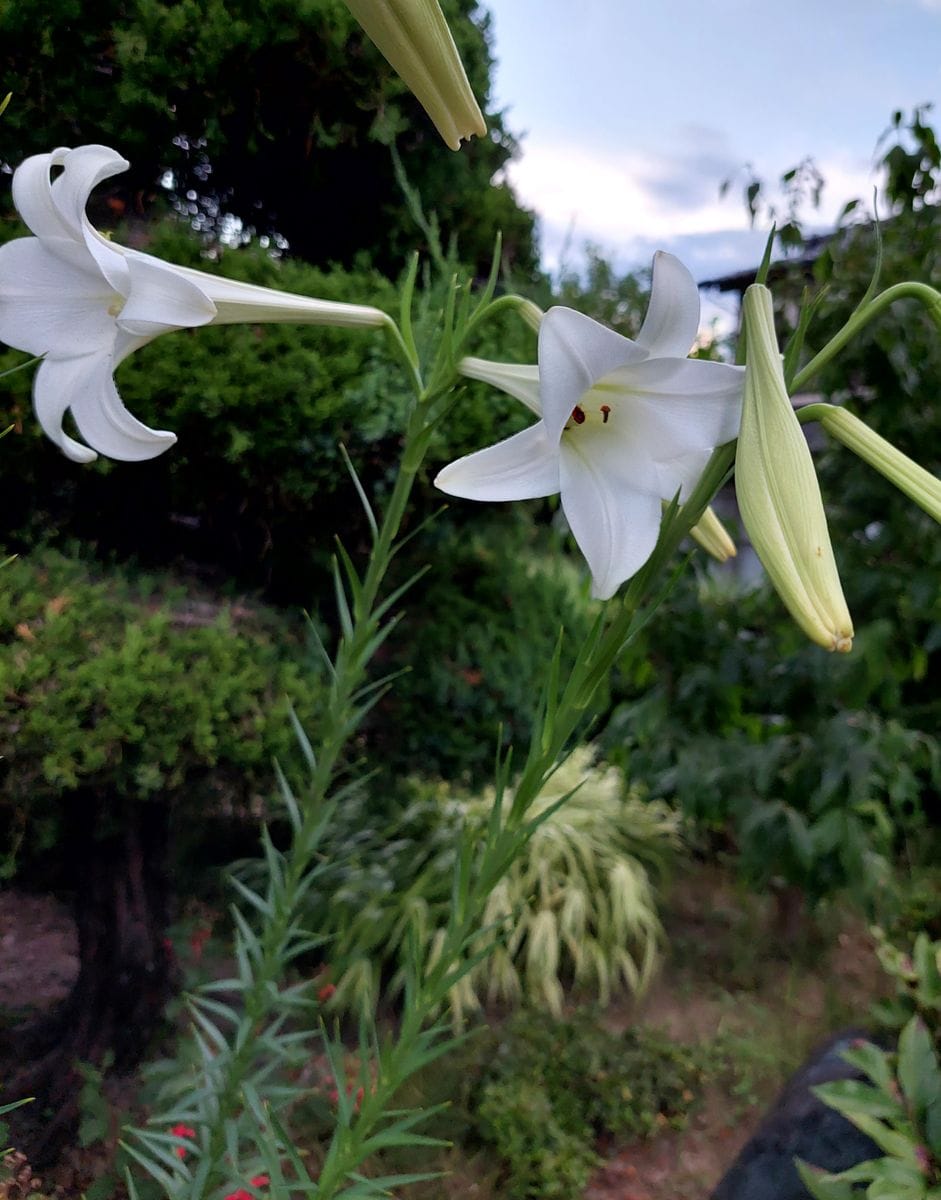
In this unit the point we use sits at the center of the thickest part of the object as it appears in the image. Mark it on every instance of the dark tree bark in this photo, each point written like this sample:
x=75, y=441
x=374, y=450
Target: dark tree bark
x=117, y=853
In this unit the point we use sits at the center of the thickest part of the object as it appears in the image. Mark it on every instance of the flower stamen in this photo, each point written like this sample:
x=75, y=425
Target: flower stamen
x=578, y=415
x=605, y=413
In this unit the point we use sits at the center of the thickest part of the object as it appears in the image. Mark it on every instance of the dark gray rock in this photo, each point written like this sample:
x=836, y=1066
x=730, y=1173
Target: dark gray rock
x=799, y=1126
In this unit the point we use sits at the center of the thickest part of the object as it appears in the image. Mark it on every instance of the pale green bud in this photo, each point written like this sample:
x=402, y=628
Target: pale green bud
x=917, y=483
x=778, y=493
x=414, y=36
x=711, y=534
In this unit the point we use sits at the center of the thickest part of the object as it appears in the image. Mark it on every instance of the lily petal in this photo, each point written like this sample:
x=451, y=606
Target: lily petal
x=520, y=381
x=82, y=170
x=522, y=467
x=237, y=302
x=683, y=403
x=615, y=529
x=161, y=299
x=672, y=319
x=575, y=352
x=47, y=303
x=32, y=195
x=84, y=384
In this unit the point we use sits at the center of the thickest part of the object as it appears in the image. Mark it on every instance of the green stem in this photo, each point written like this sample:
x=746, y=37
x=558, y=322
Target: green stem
x=20, y=366
x=900, y=291
x=351, y=660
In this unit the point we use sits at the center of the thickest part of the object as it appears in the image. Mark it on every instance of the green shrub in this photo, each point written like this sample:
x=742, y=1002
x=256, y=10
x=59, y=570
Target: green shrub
x=554, y=1086
x=132, y=688
x=816, y=767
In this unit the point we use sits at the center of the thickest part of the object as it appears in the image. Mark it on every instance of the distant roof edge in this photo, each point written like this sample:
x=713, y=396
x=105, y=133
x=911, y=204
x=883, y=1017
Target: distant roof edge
x=738, y=281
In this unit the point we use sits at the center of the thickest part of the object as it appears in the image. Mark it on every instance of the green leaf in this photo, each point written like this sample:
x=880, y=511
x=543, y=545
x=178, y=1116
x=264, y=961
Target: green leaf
x=821, y=1185
x=919, y=1074
x=872, y=1062
x=899, y=1144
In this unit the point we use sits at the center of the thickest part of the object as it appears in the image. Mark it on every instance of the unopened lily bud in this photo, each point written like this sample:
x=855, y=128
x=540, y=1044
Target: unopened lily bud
x=778, y=493
x=711, y=534
x=414, y=36
x=917, y=483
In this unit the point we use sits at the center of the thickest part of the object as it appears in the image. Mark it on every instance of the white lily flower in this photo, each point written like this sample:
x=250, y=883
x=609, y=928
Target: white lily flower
x=86, y=303
x=624, y=425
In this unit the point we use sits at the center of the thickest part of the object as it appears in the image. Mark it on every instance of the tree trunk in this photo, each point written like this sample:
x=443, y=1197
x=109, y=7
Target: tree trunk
x=117, y=869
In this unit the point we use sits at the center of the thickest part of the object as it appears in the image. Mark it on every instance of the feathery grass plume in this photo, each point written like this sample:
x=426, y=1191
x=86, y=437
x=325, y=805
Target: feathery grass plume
x=577, y=906
x=777, y=489
x=414, y=36
x=579, y=903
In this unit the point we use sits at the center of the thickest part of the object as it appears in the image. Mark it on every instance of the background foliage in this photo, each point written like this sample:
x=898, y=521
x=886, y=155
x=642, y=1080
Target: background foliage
x=279, y=113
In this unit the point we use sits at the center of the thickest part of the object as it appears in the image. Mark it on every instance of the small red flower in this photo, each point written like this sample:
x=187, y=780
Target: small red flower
x=257, y=1181
x=326, y=992
x=198, y=939
x=182, y=1131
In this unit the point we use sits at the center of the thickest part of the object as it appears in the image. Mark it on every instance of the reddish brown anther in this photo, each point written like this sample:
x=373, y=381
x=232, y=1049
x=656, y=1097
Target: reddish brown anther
x=605, y=413
x=578, y=416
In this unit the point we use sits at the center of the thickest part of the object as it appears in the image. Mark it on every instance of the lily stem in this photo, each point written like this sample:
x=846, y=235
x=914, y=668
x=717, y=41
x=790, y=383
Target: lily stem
x=910, y=290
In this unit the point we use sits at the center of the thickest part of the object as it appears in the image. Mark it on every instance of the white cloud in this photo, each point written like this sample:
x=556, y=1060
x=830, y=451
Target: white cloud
x=626, y=202
x=611, y=196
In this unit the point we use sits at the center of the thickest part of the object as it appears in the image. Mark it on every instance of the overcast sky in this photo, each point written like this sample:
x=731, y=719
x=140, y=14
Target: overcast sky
x=632, y=112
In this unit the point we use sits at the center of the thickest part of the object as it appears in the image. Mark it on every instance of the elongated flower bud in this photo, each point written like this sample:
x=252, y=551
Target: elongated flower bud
x=778, y=493
x=917, y=483
x=414, y=36
x=711, y=534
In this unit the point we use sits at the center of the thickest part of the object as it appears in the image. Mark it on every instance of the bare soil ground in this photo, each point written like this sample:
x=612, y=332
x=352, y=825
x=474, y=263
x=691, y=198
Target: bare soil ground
x=730, y=982
x=38, y=954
